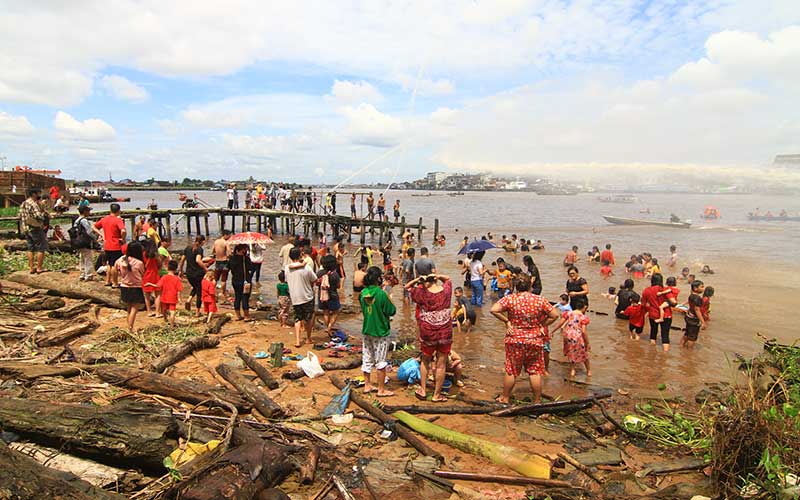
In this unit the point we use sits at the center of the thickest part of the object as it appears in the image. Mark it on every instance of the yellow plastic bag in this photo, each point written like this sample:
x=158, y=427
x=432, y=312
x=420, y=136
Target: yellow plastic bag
x=191, y=450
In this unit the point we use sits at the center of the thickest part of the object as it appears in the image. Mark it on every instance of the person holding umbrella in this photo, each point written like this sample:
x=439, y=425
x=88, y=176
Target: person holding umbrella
x=475, y=251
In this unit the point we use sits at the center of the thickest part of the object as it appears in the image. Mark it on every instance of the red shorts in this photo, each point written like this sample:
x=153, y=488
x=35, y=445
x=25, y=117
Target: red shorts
x=209, y=307
x=527, y=356
x=168, y=307
x=428, y=351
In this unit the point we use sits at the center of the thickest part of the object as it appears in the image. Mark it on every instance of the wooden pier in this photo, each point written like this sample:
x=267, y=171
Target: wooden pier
x=196, y=221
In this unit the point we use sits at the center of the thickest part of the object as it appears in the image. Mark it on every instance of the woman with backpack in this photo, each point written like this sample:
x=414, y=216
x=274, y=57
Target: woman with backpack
x=329, y=284
x=84, y=241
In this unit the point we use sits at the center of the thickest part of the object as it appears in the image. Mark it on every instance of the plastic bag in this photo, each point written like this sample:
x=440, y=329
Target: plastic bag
x=408, y=372
x=338, y=403
x=310, y=365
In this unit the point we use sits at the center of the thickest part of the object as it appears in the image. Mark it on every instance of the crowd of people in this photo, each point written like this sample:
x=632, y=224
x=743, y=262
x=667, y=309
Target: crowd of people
x=312, y=277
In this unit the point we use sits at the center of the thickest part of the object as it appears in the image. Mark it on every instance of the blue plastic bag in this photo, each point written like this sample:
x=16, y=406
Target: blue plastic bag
x=338, y=403
x=408, y=372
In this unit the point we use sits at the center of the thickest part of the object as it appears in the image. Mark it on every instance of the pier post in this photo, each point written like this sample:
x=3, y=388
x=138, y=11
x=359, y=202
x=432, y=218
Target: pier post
x=188, y=225
x=221, y=220
x=435, y=229
x=419, y=231
x=205, y=220
x=169, y=226
x=363, y=232
x=380, y=236
x=402, y=226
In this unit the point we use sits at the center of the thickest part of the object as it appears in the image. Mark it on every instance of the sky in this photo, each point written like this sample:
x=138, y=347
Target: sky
x=366, y=91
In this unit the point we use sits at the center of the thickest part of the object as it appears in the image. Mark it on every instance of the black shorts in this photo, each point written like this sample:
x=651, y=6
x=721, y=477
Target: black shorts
x=36, y=238
x=692, y=329
x=637, y=329
x=112, y=256
x=304, y=312
x=131, y=296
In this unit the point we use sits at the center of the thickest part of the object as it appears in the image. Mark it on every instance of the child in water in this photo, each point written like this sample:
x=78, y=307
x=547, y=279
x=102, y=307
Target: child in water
x=635, y=313
x=284, y=302
x=576, y=339
x=564, y=307
x=605, y=270
x=209, y=295
x=670, y=293
x=705, y=309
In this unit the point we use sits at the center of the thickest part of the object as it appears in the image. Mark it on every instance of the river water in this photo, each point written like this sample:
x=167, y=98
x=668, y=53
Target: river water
x=755, y=278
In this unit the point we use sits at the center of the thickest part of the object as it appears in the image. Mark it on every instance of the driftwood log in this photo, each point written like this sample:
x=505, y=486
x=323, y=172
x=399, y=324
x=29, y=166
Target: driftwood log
x=180, y=351
x=438, y=409
x=22, y=246
x=155, y=383
x=250, y=467
x=66, y=285
x=261, y=402
x=347, y=363
x=23, y=477
x=65, y=334
x=129, y=434
x=402, y=431
x=20, y=370
x=496, y=478
x=216, y=323
x=569, y=405
x=71, y=311
x=259, y=369
x=43, y=304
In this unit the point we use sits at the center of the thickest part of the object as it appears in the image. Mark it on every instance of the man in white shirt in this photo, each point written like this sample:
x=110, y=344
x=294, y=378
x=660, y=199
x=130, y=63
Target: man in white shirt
x=283, y=254
x=230, y=196
x=301, y=282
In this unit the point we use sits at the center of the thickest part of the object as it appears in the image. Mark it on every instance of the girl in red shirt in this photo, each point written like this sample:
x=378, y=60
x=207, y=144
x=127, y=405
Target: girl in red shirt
x=209, y=295
x=152, y=264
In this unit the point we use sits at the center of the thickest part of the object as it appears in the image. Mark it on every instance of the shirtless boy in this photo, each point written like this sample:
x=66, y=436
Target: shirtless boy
x=221, y=260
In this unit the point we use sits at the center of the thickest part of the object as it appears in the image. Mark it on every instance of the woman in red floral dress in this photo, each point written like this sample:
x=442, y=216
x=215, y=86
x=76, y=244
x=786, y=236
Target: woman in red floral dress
x=526, y=317
x=432, y=295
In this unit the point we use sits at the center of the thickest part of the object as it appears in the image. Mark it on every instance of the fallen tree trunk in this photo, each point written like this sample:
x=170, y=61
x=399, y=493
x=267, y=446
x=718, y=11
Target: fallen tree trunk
x=180, y=351
x=66, y=285
x=347, y=363
x=22, y=246
x=552, y=407
x=259, y=369
x=216, y=323
x=376, y=412
x=524, y=463
x=24, y=477
x=71, y=311
x=241, y=473
x=131, y=434
x=263, y=403
x=12, y=369
x=65, y=334
x=441, y=409
x=183, y=390
x=43, y=304
x=494, y=478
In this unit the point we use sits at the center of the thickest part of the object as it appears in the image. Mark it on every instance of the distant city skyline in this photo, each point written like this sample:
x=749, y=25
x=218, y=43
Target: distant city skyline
x=384, y=92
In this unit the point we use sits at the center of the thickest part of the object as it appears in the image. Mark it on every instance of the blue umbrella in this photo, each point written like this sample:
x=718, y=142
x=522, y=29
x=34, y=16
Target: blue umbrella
x=477, y=246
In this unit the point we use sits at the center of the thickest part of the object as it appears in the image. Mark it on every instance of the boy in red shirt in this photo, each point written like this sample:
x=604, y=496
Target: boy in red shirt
x=170, y=285
x=608, y=255
x=209, y=295
x=113, y=236
x=635, y=313
x=605, y=270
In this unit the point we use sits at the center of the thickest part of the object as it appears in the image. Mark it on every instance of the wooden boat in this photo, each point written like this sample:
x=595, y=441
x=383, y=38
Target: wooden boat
x=776, y=218
x=459, y=193
x=642, y=222
x=619, y=198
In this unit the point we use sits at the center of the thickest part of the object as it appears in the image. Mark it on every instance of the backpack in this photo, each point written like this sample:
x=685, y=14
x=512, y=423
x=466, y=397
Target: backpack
x=78, y=237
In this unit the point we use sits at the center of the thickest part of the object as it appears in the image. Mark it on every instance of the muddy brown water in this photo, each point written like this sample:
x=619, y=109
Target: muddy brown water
x=755, y=276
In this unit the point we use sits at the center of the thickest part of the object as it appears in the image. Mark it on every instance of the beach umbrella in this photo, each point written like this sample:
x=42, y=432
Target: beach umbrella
x=249, y=238
x=477, y=246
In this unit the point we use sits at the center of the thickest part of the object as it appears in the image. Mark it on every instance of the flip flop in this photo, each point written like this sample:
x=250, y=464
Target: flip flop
x=374, y=389
x=420, y=396
x=441, y=399
x=385, y=395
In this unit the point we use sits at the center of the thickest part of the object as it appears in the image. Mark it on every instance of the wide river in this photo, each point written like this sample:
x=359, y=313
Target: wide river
x=755, y=263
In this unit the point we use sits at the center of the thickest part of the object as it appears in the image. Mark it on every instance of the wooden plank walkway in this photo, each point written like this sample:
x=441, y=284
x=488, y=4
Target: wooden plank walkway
x=282, y=222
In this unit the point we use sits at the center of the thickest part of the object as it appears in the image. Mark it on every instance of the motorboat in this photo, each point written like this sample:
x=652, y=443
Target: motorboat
x=618, y=198
x=624, y=221
x=769, y=217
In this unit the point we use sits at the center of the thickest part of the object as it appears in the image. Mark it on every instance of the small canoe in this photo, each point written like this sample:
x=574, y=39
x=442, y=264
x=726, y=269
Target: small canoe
x=777, y=218
x=643, y=222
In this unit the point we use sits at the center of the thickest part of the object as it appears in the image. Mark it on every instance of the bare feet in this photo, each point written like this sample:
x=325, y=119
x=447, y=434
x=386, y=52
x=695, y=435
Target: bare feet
x=546, y=374
x=588, y=374
x=368, y=389
x=502, y=400
x=384, y=394
x=572, y=373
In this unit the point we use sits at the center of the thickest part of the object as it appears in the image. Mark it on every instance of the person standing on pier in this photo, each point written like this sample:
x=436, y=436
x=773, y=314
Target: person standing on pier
x=220, y=250
x=396, y=210
x=370, y=206
x=353, y=205
x=333, y=203
x=230, y=192
x=235, y=197
x=33, y=220
x=248, y=197
x=381, y=208
x=113, y=235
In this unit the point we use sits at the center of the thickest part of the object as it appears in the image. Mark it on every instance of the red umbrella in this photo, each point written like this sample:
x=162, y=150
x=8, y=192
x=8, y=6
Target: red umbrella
x=249, y=238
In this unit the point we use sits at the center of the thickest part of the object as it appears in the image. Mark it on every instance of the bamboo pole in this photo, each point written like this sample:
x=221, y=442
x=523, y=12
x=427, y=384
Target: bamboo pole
x=419, y=231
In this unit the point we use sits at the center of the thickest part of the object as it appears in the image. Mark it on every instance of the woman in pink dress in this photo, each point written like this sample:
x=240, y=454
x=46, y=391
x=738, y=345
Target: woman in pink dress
x=526, y=317
x=576, y=340
x=432, y=295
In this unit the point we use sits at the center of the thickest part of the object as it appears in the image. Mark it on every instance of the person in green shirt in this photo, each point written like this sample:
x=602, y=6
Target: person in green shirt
x=284, y=300
x=163, y=254
x=377, y=308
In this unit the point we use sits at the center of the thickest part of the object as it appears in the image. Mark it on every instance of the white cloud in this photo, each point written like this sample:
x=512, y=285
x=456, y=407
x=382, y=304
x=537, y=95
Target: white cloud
x=426, y=87
x=282, y=110
x=124, y=89
x=92, y=129
x=370, y=127
x=14, y=125
x=346, y=92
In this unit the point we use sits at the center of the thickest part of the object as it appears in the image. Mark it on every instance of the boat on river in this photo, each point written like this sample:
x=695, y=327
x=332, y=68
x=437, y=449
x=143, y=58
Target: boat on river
x=623, y=221
x=94, y=195
x=776, y=218
x=618, y=198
